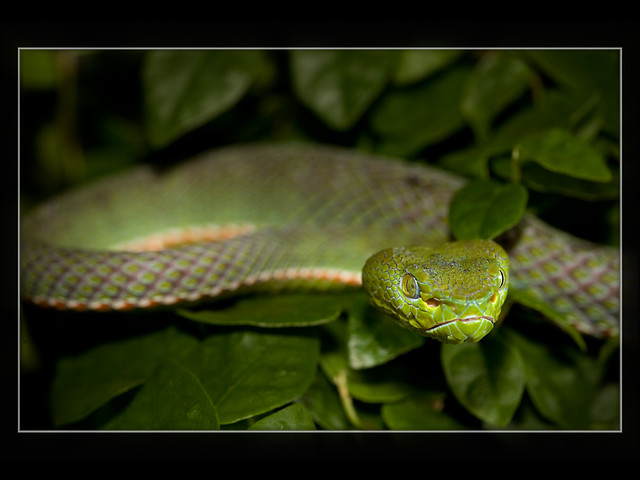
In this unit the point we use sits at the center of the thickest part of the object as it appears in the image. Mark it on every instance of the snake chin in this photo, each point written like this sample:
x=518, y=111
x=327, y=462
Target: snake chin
x=466, y=329
x=464, y=320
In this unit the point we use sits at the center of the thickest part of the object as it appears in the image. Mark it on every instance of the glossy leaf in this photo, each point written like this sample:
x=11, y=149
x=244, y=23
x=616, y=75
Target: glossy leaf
x=485, y=209
x=293, y=417
x=185, y=89
x=560, y=319
x=322, y=400
x=411, y=118
x=384, y=384
x=339, y=85
x=604, y=412
x=486, y=377
x=591, y=73
x=416, y=65
x=173, y=398
x=373, y=338
x=560, y=388
x=471, y=162
x=419, y=412
x=275, y=311
x=246, y=373
x=559, y=151
x=496, y=82
x=86, y=382
x=542, y=180
x=554, y=110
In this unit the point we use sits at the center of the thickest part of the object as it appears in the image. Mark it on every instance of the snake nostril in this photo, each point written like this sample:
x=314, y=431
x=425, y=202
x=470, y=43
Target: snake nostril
x=494, y=297
x=433, y=303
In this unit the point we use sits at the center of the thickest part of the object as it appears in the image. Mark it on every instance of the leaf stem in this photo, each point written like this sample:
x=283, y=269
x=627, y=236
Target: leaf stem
x=340, y=381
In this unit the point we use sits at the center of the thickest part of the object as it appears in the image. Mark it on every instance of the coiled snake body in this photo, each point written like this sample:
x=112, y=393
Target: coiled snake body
x=272, y=217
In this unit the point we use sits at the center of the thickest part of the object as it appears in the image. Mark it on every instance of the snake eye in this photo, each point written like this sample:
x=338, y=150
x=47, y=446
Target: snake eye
x=502, y=278
x=409, y=286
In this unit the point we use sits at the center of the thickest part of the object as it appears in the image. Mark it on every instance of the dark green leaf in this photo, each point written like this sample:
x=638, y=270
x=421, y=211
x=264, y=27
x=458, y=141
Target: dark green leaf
x=322, y=400
x=486, y=377
x=409, y=119
x=588, y=73
x=185, y=89
x=604, y=412
x=538, y=178
x=173, y=398
x=419, y=412
x=373, y=338
x=384, y=384
x=334, y=366
x=293, y=417
x=339, y=85
x=560, y=388
x=560, y=319
x=485, y=209
x=559, y=151
x=246, y=373
x=86, y=382
x=416, y=65
x=471, y=162
x=554, y=110
x=274, y=311
x=496, y=82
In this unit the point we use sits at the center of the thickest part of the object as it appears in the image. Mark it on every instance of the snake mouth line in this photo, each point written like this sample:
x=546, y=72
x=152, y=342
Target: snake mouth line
x=465, y=320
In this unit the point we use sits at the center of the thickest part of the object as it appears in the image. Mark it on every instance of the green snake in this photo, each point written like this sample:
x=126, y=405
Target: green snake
x=278, y=217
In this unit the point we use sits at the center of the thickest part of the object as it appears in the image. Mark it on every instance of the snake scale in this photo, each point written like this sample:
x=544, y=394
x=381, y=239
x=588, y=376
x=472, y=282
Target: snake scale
x=273, y=217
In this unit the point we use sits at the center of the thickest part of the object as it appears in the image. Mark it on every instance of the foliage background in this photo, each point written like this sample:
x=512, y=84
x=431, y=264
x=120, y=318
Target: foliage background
x=333, y=364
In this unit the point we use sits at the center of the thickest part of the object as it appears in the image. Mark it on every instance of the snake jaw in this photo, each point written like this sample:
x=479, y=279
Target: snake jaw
x=467, y=329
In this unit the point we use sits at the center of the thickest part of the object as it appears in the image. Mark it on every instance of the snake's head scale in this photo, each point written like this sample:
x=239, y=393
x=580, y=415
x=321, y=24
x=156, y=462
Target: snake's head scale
x=452, y=293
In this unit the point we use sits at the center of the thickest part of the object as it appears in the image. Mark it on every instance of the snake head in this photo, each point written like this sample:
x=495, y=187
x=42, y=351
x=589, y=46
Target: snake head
x=452, y=293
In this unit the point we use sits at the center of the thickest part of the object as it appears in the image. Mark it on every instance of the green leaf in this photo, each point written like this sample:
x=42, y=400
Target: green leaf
x=185, y=89
x=322, y=400
x=339, y=85
x=172, y=399
x=561, y=389
x=88, y=381
x=471, y=162
x=495, y=83
x=604, y=412
x=373, y=338
x=538, y=178
x=554, y=110
x=559, y=151
x=561, y=320
x=409, y=119
x=293, y=417
x=247, y=373
x=588, y=73
x=485, y=209
x=419, y=412
x=273, y=311
x=416, y=65
x=487, y=378
x=383, y=384
x=334, y=366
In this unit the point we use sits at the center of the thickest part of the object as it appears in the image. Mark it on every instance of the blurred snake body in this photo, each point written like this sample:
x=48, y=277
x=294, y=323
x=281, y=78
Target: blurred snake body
x=271, y=218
